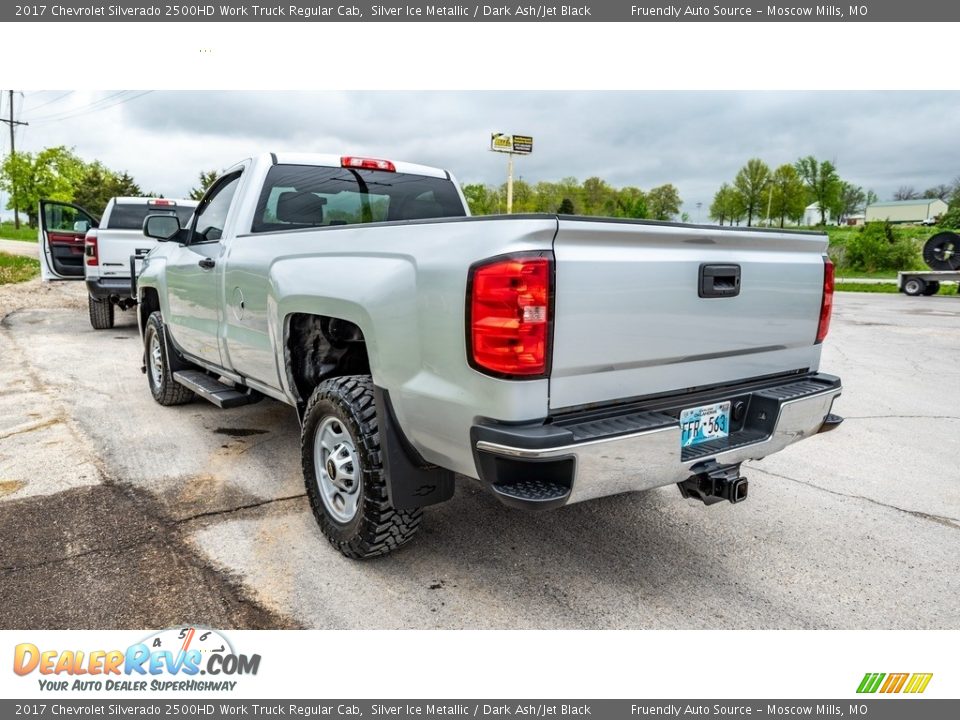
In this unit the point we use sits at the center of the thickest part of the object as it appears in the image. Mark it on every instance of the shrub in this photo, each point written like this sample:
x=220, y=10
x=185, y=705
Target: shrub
x=951, y=218
x=876, y=247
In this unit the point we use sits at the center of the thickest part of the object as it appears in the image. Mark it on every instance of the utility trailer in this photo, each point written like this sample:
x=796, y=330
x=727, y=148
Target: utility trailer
x=925, y=282
x=942, y=255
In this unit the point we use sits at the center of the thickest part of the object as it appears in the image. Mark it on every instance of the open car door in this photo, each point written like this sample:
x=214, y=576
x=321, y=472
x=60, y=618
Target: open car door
x=62, y=229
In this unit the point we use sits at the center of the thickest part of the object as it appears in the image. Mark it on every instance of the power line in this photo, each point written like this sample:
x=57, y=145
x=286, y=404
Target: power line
x=50, y=102
x=69, y=111
x=90, y=111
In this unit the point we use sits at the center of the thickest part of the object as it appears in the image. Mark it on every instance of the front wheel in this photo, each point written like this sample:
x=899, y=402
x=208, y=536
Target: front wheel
x=163, y=387
x=343, y=472
x=101, y=313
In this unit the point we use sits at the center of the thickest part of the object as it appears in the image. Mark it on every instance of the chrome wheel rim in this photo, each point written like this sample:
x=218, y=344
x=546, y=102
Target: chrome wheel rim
x=156, y=360
x=337, y=469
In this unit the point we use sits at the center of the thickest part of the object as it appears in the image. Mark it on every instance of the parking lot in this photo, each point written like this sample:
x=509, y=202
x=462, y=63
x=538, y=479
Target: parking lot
x=116, y=512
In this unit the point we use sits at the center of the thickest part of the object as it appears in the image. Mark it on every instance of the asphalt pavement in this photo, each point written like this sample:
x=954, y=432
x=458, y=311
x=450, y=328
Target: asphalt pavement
x=107, y=499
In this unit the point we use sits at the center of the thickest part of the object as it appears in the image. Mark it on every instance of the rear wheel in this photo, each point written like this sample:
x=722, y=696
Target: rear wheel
x=101, y=313
x=932, y=288
x=161, y=363
x=344, y=474
x=914, y=286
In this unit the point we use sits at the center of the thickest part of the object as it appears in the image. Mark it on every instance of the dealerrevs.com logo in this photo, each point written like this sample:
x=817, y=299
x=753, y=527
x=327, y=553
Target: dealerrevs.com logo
x=173, y=659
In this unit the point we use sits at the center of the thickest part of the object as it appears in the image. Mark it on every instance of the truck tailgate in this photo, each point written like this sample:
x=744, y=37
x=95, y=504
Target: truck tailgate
x=115, y=248
x=630, y=322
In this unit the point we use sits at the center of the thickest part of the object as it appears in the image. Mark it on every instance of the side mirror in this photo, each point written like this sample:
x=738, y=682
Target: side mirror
x=161, y=227
x=81, y=226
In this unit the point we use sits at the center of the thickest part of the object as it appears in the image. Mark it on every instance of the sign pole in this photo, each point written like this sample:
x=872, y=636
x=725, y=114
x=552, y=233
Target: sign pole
x=511, y=145
x=509, y=183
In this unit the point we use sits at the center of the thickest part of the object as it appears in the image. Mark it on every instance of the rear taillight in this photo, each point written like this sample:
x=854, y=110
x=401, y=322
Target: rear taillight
x=826, y=305
x=367, y=163
x=509, y=306
x=90, y=248
x=161, y=202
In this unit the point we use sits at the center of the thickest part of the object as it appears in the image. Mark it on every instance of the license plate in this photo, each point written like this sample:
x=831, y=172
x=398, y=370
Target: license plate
x=704, y=423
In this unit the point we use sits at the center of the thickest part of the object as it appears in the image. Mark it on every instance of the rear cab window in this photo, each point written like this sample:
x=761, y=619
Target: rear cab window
x=305, y=196
x=130, y=216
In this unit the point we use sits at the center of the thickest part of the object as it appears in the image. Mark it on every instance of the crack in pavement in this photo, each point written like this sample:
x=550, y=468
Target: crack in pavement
x=238, y=508
x=950, y=522
x=117, y=549
x=31, y=427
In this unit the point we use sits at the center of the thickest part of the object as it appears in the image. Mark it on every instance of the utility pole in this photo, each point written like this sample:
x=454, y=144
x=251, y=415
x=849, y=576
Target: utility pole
x=769, y=204
x=13, y=154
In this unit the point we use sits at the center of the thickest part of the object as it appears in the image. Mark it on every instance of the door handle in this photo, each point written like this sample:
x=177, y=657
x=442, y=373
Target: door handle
x=207, y=263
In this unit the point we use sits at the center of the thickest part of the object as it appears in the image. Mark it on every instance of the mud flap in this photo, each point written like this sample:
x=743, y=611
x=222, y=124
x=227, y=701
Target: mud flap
x=411, y=481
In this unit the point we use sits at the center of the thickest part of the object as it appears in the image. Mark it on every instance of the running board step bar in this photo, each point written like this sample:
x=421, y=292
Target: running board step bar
x=209, y=388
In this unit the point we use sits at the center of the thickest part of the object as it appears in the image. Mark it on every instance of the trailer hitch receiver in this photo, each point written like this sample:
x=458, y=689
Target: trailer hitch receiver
x=711, y=483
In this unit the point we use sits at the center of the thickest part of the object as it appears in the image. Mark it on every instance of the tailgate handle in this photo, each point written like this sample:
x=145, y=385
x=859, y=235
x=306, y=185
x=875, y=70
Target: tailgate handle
x=719, y=281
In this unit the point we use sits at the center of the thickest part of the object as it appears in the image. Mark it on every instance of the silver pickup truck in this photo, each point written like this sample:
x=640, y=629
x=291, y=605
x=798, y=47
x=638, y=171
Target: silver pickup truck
x=554, y=358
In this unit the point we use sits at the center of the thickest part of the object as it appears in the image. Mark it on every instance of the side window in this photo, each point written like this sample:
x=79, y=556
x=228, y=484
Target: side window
x=212, y=213
x=67, y=218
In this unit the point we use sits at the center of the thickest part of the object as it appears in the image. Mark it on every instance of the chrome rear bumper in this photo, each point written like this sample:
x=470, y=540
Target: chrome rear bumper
x=651, y=456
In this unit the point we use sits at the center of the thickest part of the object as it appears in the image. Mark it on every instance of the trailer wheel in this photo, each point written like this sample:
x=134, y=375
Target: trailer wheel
x=932, y=288
x=914, y=286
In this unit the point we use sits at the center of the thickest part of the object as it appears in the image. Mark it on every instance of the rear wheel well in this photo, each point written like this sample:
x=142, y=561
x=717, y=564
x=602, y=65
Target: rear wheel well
x=318, y=347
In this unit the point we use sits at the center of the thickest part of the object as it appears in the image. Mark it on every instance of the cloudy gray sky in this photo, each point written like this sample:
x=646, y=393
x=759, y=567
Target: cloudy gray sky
x=696, y=140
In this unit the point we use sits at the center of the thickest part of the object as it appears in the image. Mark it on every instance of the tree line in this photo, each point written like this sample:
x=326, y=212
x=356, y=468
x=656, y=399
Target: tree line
x=57, y=173
x=759, y=193
x=594, y=196
x=756, y=193
x=779, y=195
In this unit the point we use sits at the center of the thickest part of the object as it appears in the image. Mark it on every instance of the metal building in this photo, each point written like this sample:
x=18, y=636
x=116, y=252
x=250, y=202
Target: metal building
x=906, y=211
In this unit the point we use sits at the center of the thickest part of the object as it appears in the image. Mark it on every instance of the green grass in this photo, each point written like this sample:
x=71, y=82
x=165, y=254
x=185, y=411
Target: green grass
x=9, y=232
x=950, y=289
x=16, y=269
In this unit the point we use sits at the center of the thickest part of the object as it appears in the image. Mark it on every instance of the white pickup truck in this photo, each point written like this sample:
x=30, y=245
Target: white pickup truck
x=104, y=252
x=554, y=358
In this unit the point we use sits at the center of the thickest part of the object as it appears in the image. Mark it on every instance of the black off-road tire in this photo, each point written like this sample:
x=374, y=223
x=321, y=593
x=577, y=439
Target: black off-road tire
x=164, y=388
x=377, y=528
x=101, y=313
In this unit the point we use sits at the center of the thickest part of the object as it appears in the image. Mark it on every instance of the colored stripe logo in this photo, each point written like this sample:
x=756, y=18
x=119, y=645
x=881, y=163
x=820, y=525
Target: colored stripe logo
x=894, y=682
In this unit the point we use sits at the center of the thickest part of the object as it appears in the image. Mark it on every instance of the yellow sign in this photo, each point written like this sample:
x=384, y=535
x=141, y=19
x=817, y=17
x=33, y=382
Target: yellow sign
x=518, y=144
